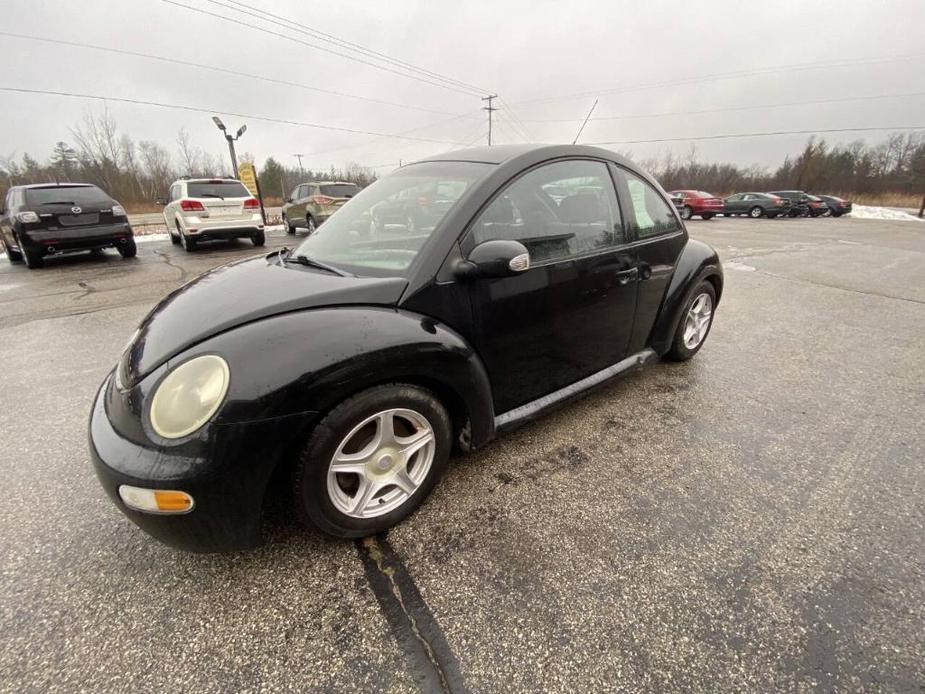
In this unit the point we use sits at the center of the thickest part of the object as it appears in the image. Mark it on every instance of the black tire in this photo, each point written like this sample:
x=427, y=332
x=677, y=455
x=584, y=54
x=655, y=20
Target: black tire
x=312, y=500
x=679, y=351
x=310, y=224
x=727, y=214
x=686, y=213
x=772, y=215
x=289, y=228
x=11, y=255
x=836, y=214
x=127, y=249
x=755, y=212
x=32, y=259
x=259, y=239
x=188, y=244
x=175, y=237
x=707, y=217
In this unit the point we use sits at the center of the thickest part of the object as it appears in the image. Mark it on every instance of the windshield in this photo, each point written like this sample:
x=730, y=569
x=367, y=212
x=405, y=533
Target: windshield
x=381, y=230
x=339, y=190
x=66, y=195
x=216, y=189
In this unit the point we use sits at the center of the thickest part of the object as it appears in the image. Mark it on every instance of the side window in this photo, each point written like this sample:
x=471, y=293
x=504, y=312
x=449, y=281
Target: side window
x=557, y=211
x=651, y=215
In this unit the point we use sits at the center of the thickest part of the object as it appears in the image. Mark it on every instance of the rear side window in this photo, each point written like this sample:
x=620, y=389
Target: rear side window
x=216, y=189
x=66, y=195
x=650, y=214
x=339, y=190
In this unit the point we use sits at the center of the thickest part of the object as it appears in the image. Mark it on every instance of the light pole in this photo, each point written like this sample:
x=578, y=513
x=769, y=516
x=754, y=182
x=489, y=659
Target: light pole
x=231, y=140
x=299, y=157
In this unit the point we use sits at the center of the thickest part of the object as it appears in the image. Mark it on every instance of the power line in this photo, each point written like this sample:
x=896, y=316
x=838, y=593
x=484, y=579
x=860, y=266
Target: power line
x=287, y=37
x=796, y=67
x=202, y=66
x=196, y=109
x=516, y=120
x=330, y=38
x=403, y=132
x=762, y=134
x=730, y=108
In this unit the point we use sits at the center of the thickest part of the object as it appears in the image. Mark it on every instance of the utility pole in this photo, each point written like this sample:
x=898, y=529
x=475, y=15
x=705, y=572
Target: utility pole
x=231, y=140
x=299, y=157
x=490, y=109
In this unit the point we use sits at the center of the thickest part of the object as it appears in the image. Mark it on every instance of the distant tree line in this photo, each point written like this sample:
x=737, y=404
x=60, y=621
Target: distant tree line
x=138, y=172
x=895, y=165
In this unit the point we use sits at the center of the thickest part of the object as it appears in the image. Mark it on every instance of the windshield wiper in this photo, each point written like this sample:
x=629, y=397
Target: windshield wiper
x=211, y=195
x=303, y=259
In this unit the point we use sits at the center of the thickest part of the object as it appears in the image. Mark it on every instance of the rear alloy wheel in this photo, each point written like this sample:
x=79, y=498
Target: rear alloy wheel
x=755, y=212
x=12, y=256
x=289, y=228
x=372, y=460
x=127, y=249
x=259, y=238
x=686, y=213
x=695, y=323
x=33, y=260
x=310, y=225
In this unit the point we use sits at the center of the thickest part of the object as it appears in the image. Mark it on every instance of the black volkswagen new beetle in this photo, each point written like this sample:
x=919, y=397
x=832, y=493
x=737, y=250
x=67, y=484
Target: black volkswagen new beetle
x=354, y=363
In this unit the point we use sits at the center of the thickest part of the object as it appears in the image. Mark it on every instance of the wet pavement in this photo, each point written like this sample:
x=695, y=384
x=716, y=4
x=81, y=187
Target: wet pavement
x=752, y=519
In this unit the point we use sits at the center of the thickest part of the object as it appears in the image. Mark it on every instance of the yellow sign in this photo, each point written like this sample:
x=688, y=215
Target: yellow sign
x=248, y=175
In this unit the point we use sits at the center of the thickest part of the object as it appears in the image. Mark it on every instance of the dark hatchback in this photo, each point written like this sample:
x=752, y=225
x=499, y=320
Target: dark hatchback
x=49, y=218
x=799, y=202
x=352, y=365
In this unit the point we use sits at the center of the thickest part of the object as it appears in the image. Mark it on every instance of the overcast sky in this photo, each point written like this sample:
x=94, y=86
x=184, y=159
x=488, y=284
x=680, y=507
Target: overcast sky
x=547, y=61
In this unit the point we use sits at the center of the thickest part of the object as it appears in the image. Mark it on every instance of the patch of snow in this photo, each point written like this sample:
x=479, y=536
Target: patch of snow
x=152, y=237
x=275, y=227
x=870, y=212
x=849, y=243
x=741, y=267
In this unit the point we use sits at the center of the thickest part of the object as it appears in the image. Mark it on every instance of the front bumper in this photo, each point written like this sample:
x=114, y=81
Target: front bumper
x=76, y=238
x=226, y=475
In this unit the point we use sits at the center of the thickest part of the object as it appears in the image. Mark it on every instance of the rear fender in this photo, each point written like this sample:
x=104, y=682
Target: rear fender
x=698, y=261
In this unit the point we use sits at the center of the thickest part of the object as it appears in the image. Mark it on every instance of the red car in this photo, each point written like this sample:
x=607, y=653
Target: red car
x=696, y=202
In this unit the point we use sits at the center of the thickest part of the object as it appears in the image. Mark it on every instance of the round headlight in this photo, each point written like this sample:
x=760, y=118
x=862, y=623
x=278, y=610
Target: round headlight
x=189, y=396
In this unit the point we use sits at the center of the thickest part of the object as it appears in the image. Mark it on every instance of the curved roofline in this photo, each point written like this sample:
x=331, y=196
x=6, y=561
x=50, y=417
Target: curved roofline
x=504, y=154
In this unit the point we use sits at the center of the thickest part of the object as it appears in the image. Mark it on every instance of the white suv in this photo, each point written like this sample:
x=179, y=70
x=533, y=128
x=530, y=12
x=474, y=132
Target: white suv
x=199, y=209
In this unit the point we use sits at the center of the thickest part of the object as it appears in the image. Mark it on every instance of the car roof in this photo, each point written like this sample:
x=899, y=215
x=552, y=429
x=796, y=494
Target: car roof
x=502, y=154
x=213, y=179
x=30, y=186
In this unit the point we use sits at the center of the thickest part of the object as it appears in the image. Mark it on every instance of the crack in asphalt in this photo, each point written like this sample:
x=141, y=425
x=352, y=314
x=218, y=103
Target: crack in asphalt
x=813, y=283
x=434, y=666
x=182, y=270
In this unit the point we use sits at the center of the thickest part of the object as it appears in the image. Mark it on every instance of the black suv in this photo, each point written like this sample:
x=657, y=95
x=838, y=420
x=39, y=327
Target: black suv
x=49, y=218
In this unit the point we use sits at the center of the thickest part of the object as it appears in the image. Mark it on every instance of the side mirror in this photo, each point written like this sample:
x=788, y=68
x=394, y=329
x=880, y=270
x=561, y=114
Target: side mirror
x=498, y=258
x=288, y=200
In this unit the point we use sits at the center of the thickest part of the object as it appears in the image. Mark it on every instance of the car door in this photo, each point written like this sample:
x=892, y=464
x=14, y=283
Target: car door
x=571, y=313
x=658, y=237
x=734, y=204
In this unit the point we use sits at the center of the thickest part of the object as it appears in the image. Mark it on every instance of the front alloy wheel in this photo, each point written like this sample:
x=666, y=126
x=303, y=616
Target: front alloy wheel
x=372, y=460
x=686, y=213
x=755, y=212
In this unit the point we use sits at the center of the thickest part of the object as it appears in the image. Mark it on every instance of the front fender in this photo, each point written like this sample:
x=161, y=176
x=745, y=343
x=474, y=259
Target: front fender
x=698, y=261
x=309, y=361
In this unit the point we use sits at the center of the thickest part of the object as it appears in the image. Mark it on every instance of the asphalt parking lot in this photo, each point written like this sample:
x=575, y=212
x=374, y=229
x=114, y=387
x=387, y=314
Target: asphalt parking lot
x=752, y=519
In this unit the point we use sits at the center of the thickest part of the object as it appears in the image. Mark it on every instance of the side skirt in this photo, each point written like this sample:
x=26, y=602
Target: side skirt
x=534, y=409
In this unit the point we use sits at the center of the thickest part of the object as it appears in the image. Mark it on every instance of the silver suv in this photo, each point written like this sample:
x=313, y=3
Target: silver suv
x=200, y=209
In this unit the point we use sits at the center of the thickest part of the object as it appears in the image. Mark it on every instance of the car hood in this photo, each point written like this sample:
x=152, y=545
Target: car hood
x=240, y=293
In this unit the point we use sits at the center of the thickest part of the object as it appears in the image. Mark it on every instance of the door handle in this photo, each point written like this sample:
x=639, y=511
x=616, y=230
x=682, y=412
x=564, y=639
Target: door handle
x=626, y=276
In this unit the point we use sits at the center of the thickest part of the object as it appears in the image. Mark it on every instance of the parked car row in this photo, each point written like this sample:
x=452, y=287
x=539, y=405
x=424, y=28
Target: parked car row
x=780, y=203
